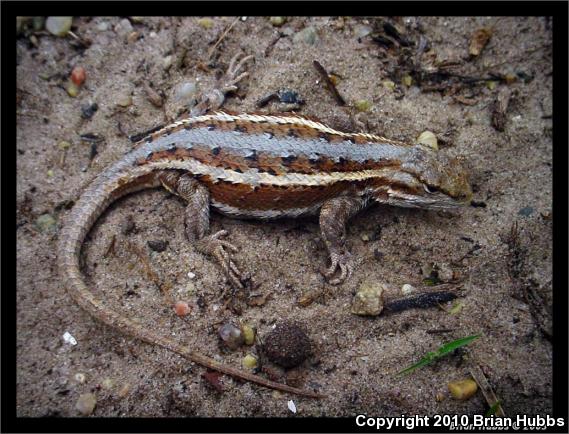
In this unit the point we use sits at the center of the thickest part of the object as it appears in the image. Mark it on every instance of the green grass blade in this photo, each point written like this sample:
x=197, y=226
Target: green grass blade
x=441, y=352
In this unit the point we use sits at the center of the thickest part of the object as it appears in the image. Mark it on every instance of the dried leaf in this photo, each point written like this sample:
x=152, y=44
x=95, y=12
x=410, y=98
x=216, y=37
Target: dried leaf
x=213, y=379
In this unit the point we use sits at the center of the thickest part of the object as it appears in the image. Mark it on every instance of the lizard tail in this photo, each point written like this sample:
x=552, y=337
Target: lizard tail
x=107, y=188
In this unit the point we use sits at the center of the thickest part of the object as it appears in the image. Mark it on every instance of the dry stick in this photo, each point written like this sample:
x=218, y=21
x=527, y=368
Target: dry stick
x=329, y=82
x=223, y=35
x=486, y=389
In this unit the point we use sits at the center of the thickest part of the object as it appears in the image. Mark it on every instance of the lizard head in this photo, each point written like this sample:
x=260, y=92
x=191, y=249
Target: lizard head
x=426, y=178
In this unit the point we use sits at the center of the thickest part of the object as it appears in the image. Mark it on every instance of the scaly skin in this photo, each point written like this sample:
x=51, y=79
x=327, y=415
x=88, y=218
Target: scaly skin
x=264, y=167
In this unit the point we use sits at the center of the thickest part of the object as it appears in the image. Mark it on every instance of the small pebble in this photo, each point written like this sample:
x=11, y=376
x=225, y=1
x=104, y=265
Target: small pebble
x=50, y=173
x=445, y=272
x=103, y=26
x=88, y=110
x=231, y=335
x=58, y=26
x=526, y=211
x=157, y=245
x=206, y=23
x=167, y=62
x=463, y=389
x=363, y=105
x=407, y=80
x=86, y=404
x=407, y=289
x=307, y=35
x=124, y=27
x=368, y=300
x=68, y=338
x=248, y=334
x=78, y=75
x=361, y=31
x=137, y=20
x=107, y=384
x=72, y=89
x=388, y=84
x=249, y=361
x=287, y=345
x=124, y=100
x=429, y=139
x=46, y=223
x=185, y=92
x=291, y=406
x=277, y=21
x=191, y=275
x=132, y=37
x=182, y=308
x=80, y=377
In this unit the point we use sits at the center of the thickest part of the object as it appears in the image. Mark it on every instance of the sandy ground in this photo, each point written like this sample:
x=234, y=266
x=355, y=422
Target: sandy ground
x=505, y=280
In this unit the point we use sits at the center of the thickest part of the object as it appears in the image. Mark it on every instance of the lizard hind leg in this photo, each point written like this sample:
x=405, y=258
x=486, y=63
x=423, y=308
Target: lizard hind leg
x=196, y=221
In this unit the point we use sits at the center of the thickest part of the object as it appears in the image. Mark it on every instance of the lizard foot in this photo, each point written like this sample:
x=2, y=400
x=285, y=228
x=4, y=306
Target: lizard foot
x=341, y=261
x=214, y=99
x=220, y=249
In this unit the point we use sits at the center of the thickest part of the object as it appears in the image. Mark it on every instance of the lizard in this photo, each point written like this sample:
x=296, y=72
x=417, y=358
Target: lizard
x=262, y=167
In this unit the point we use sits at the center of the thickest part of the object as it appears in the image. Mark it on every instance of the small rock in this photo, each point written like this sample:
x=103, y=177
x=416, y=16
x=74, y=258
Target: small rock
x=277, y=21
x=79, y=377
x=182, y=308
x=407, y=289
x=368, y=300
x=185, y=92
x=206, y=23
x=463, y=389
x=249, y=361
x=526, y=211
x=88, y=110
x=445, y=272
x=72, y=89
x=248, y=334
x=107, y=384
x=86, y=404
x=231, y=335
x=307, y=35
x=291, y=406
x=137, y=20
x=287, y=345
x=429, y=139
x=167, y=62
x=58, y=26
x=407, y=80
x=388, y=84
x=78, y=75
x=124, y=27
x=363, y=105
x=361, y=31
x=46, y=223
x=157, y=245
x=103, y=26
x=191, y=275
x=124, y=100
x=132, y=37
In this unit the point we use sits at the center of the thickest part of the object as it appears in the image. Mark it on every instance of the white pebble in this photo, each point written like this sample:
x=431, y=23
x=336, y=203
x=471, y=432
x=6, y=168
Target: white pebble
x=291, y=406
x=191, y=275
x=407, y=289
x=68, y=338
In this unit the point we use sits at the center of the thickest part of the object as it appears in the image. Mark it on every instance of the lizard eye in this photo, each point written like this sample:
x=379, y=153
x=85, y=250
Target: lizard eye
x=430, y=189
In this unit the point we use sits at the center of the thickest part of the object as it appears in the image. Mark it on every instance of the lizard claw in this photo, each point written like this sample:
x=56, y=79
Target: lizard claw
x=212, y=245
x=340, y=261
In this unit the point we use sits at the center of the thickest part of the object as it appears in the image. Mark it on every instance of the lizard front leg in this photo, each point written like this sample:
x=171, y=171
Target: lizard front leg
x=197, y=222
x=334, y=215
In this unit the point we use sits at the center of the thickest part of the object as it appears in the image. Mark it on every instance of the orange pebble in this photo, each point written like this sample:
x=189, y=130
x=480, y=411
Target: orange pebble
x=182, y=308
x=78, y=75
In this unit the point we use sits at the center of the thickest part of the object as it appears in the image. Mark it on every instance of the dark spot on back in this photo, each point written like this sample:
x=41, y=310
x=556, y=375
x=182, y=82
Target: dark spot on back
x=216, y=150
x=289, y=159
x=171, y=148
x=324, y=136
x=149, y=155
x=238, y=170
x=240, y=129
x=211, y=127
x=271, y=172
x=291, y=133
